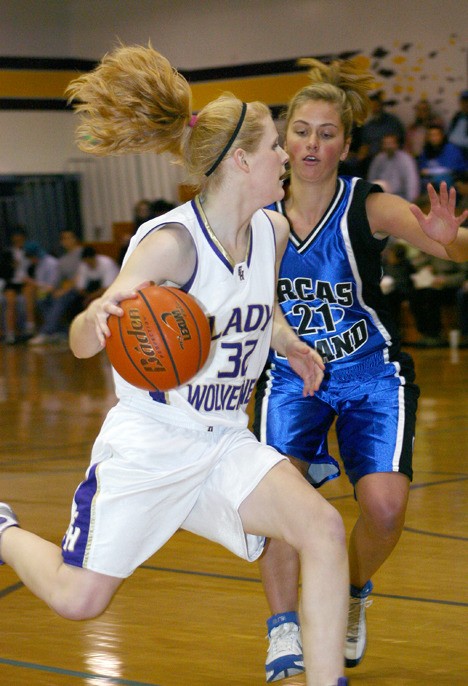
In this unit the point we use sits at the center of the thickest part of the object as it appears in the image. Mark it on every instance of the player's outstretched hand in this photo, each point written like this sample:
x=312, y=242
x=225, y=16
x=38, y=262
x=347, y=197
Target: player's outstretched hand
x=441, y=224
x=307, y=363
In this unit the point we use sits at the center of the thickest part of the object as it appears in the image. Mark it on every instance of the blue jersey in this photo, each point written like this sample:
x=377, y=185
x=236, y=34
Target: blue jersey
x=329, y=291
x=341, y=312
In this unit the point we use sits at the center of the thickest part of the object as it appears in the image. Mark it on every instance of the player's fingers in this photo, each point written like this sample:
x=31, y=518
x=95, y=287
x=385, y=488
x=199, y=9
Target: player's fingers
x=318, y=360
x=312, y=382
x=443, y=193
x=452, y=200
x=418, y=213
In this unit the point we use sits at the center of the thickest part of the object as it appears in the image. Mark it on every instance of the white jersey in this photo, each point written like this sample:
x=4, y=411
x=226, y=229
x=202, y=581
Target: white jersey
x=239, y=301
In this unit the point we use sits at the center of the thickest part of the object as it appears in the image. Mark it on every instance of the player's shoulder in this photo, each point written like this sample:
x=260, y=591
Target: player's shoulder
x=280, y=227
x=279, y=221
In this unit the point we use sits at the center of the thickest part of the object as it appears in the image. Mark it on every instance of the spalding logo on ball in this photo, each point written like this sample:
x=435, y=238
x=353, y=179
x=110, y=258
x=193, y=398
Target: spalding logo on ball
x=162, y=340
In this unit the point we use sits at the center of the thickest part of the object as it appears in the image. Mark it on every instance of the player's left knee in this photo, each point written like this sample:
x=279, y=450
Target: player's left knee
x=330, y=533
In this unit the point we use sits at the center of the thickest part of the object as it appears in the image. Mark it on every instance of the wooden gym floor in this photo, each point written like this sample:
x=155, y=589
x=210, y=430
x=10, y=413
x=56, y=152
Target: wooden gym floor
x=194, y=615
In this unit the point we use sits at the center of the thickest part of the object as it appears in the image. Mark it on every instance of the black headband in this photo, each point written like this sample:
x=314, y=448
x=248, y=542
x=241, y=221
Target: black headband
x=220, y=157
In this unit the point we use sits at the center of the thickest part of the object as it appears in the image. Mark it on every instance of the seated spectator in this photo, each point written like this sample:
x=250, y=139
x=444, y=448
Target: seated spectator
x=457, y=132
x=396, y=284
x=42, y=278
x=462, y=311
x=61, y=302
x=95, y=274
x=462, y=293
x=396, y=168
x=440, y=160
x=415, y=137
x=16, y=322
x=7, y=269
x=437, y=283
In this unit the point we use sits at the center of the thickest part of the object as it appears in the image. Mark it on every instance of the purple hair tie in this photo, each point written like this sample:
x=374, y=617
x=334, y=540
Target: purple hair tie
x=192, y=120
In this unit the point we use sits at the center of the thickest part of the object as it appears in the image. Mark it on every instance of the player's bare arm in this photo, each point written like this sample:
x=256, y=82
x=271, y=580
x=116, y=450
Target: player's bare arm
x=437, y=233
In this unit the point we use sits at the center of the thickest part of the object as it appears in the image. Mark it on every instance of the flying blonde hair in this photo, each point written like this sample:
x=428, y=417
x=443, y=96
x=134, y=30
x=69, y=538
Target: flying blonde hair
x=343, y=83
x=134, y=101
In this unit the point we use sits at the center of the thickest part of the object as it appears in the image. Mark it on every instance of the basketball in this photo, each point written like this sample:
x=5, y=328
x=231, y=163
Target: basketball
x=162, y=340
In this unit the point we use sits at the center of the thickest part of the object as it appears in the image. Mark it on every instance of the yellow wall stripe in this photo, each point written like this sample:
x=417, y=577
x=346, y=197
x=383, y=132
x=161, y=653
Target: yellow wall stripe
x=34, y=83
x=273, y=90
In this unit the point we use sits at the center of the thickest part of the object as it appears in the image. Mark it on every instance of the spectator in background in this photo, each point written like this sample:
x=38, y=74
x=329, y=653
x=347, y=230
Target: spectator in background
x=62, y=300
x=7, y=268
x=95, y=274
x=440, y=160
x=142, y=211
x=458, y=127
x=356, y=163
x=437, y=283
x=379, y=124
x=17, y=324
x=462, y=311
x=415, y=138
x=396, y=168
x=161, y=206
x=42, y=278
x=124, y=241
x=462, y=293
x=397, y=285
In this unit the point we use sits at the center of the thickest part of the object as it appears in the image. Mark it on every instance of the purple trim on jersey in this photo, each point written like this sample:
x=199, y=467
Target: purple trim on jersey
x=209, y=239
x=187, y=286
x=271, y=223
x=153, y=229
x=249, y=256
x=75, y=541
x=158, y=396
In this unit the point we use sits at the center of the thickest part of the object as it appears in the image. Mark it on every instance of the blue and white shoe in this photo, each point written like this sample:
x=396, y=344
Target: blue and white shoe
x=284, y=657
x=356, y=635
x=7, y=519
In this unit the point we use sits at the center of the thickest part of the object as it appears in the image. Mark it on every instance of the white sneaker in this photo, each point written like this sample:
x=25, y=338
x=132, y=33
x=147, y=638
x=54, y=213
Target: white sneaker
x=284, y=657
x=356, y=635
x=7, y=519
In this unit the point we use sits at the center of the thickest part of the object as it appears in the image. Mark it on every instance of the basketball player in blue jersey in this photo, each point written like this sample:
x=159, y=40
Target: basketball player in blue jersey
x=182, y=460
x=329, y=292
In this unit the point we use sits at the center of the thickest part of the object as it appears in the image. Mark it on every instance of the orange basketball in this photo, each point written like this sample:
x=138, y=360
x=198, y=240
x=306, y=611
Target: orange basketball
x=162, y=340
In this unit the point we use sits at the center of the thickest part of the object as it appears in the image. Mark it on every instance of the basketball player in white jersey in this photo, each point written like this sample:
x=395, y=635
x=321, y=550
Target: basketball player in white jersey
x=185, y=459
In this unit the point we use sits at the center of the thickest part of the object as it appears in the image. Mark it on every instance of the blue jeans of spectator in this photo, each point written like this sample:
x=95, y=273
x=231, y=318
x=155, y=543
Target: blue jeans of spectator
x=58, y=312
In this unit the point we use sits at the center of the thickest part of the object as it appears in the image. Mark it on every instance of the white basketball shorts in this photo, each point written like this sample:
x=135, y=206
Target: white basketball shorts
x=148, y=478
